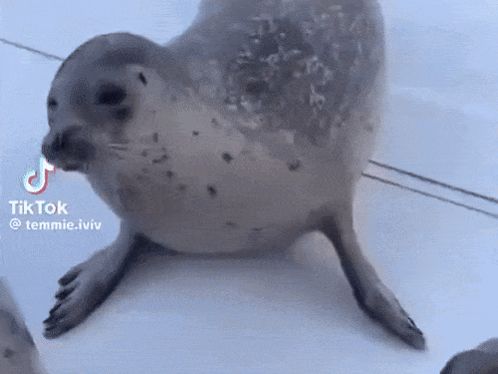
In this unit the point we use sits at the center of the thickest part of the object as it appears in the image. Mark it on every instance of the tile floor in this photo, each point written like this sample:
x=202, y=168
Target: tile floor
x=187, y=315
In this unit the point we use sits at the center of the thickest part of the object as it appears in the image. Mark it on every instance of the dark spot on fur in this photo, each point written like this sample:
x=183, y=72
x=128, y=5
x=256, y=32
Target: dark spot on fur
x=212, y=191
x=145, y=170
x=173, y=98
x=295, y=165
x=145, y=153
x=231, y=224
x=256, y=87
x=122, y=114
x=215, y=122
x=182, y=187
x=8, y=353
x=161, y=159
x=170, y=174
x=141, y=76
x=257, y=229
x=227, y=157
x=195, y=133
x=286, y=64
x=155, y=137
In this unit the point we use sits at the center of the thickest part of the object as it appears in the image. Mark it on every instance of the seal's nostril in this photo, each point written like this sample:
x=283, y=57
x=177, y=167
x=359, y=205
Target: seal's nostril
x=63, y=142
x=59, y=142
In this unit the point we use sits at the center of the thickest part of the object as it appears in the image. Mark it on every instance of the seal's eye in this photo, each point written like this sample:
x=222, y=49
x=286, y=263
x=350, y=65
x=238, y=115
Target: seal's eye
x=110, y=95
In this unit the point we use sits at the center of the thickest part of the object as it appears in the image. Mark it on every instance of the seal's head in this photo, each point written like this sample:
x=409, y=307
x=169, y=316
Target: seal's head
x=108, y=85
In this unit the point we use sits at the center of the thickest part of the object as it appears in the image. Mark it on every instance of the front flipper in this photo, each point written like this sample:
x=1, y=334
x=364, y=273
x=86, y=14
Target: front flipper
x=87, y=285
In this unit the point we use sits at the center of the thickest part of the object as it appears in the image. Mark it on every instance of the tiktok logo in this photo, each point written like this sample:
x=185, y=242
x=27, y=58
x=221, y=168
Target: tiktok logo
x=36, y=181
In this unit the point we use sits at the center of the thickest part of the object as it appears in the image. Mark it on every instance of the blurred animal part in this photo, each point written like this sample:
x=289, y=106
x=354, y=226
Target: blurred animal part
x=18, y=354
x=482, y=360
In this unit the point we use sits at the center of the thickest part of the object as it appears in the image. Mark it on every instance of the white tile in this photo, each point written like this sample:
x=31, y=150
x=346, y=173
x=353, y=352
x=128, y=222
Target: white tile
x=59, y=26
x=441, y=116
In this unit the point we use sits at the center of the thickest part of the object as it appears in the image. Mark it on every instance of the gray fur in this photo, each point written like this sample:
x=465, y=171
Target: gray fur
x=481, y=360
x=18, y=353
x=301, y=65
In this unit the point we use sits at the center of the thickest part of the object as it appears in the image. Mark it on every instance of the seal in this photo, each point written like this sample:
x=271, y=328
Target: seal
x=18, y=353
x=480, y=360
x=243, y=133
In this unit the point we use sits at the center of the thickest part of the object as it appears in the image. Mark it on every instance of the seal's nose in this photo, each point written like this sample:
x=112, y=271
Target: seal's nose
x=58, y=142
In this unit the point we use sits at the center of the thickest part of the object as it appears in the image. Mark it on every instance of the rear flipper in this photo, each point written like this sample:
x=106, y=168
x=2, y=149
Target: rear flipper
x=372, y=295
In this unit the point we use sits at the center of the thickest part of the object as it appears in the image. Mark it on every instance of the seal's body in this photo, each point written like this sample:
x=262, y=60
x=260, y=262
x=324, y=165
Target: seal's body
x=246, y=131
x=279, y=123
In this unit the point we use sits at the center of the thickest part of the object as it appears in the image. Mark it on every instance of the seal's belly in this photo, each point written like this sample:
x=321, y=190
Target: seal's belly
x=200, y=187
x=217, y=203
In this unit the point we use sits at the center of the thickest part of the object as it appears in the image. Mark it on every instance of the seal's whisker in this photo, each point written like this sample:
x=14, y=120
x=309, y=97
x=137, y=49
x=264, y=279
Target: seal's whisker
x=118, y=146
x=135, y=145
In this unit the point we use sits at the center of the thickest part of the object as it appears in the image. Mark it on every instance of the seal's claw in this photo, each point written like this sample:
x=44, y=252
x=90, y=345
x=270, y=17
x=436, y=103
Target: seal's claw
x=381, y=305
x=58, y=328
x=63, y=316
x=64, y=292
x=56, y=307
x=69, y=276
x=416, y=339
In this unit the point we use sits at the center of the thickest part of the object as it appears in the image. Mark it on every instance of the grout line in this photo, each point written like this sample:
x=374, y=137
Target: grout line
x=435, y=182
x=32, y=50
x=373, y=162
x=429, y=195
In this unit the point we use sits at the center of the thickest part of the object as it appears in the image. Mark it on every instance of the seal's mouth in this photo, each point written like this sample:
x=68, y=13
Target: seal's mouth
x=68, y=153
x=70, y=164
x=74, y=166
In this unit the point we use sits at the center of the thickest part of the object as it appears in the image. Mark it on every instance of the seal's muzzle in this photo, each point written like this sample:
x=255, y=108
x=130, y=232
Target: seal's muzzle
x=68, y=148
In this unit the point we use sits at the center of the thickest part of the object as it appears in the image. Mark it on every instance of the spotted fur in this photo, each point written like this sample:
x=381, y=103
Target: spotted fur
x=303, y=66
